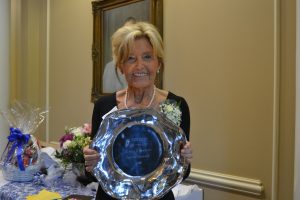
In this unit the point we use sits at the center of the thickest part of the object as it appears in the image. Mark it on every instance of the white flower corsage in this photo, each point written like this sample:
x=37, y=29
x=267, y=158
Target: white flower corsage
x=171, y=110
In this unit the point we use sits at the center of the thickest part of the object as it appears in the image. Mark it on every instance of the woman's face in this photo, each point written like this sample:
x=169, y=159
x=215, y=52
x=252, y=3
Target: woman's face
x=141, y=65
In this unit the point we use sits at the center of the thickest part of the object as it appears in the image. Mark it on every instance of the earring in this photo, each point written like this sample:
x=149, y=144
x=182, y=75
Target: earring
x=157, y=71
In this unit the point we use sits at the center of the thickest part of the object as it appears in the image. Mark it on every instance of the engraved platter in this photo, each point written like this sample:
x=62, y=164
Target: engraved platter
x=139, y=154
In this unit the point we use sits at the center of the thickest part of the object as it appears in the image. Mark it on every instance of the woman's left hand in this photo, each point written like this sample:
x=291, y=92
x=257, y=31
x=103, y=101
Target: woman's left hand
x=187, y=152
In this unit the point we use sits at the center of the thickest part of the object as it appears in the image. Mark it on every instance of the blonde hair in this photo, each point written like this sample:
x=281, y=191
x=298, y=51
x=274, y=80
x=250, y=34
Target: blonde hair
x=123, y=40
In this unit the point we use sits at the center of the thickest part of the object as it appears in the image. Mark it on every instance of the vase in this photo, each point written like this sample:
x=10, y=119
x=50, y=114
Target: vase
x=78, y=169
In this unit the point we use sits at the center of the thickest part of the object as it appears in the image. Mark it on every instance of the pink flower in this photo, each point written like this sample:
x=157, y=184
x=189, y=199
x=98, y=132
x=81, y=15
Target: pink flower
x=87, y=128
x=65, y=138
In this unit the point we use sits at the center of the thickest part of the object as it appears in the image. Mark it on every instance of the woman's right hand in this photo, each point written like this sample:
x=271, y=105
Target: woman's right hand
x=91, y=158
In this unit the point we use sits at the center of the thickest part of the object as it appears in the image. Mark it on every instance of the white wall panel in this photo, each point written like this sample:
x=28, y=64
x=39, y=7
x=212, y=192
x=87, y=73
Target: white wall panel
x=4, y=68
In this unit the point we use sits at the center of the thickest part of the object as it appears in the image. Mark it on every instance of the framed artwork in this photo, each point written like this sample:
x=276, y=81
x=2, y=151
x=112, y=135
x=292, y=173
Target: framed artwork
x=108, y=16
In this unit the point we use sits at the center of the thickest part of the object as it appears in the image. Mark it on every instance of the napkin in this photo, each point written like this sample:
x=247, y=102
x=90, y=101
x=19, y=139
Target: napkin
x=45, y=195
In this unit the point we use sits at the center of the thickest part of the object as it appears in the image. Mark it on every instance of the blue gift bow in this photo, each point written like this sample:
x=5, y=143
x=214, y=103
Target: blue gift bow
x=18, y=138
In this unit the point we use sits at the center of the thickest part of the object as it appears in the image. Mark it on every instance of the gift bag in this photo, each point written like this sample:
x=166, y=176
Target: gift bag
x=20, y=159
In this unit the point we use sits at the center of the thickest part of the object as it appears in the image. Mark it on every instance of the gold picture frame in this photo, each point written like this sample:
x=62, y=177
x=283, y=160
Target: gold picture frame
x=108, y=15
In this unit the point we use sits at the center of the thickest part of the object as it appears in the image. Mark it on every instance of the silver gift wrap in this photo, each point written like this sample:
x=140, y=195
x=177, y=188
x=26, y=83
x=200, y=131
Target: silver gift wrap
x=140, y=154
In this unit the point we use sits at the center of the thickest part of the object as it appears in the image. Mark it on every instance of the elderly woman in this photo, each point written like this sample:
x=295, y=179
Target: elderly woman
x=138, y=53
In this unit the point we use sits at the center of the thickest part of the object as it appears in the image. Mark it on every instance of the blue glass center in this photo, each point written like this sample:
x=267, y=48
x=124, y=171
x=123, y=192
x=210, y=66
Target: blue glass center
x=138, y=150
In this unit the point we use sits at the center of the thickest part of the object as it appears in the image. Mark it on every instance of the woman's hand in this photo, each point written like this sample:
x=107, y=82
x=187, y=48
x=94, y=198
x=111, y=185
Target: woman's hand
x=187, y=152
x=91, y=158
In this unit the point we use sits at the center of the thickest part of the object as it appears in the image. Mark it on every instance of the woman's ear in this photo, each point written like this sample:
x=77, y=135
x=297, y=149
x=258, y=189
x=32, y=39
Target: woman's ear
x=159, y=66
x=160, y=60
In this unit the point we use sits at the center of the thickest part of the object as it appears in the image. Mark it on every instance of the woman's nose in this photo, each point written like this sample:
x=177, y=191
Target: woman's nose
x=140, y=63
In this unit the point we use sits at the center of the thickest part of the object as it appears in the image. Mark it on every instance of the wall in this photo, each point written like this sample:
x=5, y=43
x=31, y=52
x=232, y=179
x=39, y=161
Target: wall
x=287, y=99
x=4, y=67
x=28, y=47
x=70, y=65
x=227, y=58
x=297, y=127
x=232, y=61
x=56, y=77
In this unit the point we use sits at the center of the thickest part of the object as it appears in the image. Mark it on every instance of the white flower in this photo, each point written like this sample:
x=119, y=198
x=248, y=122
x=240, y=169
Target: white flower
x=66, y=144
x=72, y=144
x=171, y=110
x=77, y=131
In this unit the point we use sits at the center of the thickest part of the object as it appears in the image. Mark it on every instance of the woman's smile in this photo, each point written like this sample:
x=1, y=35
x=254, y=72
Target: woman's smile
x=140, y=74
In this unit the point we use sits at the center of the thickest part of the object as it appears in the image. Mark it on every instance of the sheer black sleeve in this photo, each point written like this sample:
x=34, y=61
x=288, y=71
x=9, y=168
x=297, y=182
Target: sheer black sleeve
x=101, y=107
x=185, y=120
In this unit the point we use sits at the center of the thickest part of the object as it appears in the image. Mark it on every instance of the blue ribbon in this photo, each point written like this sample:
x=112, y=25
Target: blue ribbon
x=18, y=139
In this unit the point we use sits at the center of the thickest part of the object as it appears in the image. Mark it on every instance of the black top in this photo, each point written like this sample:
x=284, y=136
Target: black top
x=106, y=103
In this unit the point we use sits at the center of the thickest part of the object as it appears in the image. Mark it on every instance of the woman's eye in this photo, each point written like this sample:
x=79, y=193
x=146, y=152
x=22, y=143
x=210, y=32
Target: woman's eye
x=131, y=59
x=147, y=57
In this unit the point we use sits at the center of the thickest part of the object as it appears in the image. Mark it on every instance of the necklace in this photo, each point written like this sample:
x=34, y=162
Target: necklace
x=151, y=101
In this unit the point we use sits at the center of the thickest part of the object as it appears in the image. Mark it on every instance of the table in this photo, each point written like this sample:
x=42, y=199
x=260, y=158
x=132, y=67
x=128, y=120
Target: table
x=20, y=190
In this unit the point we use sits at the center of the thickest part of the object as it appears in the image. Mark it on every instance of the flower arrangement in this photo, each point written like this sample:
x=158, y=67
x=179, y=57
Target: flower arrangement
x=171, y=110
x=72, y=144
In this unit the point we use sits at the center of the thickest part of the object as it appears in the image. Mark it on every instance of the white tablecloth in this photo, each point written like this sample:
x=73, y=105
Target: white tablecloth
x=181, y=192
x=188, y=192
x=2, y=180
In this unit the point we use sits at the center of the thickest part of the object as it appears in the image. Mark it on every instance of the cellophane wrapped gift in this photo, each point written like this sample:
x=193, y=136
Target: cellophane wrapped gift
x=20, y=159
